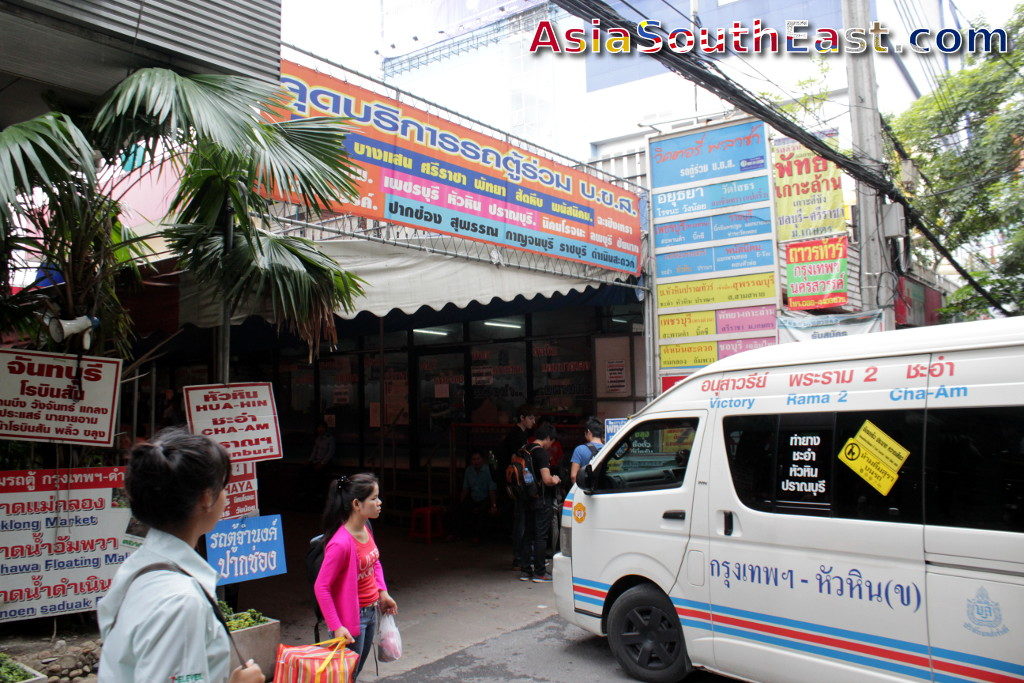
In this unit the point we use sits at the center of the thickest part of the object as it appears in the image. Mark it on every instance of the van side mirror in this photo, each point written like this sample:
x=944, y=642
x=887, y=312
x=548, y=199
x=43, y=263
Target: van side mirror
x=585, y=479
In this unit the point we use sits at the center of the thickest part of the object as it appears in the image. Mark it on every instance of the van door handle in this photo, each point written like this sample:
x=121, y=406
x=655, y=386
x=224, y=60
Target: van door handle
x=727, y=519
x=674, y=514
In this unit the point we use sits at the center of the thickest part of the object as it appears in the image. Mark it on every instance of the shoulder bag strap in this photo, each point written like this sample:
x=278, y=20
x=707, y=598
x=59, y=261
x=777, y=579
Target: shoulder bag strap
x=171, y=567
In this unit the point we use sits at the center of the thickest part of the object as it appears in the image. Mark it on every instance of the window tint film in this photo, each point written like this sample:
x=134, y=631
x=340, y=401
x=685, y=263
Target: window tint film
x=975, y=469
x=653, y=455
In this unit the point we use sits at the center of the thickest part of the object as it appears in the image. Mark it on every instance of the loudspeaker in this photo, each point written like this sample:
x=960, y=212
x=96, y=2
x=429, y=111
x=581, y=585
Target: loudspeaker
x=62, y=329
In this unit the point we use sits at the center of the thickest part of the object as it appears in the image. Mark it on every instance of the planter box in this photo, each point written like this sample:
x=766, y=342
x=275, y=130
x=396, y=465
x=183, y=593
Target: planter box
x=260, y=643
x=33, y=675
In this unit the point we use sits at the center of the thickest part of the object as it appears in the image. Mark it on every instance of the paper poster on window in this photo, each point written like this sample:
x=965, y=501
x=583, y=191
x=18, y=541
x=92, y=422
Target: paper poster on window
x=874, y=456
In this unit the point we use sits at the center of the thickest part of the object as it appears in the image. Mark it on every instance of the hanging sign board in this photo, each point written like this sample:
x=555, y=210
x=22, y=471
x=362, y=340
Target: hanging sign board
x=58, y=397
x=246, y=549
x=241, y=417
x=62, y=538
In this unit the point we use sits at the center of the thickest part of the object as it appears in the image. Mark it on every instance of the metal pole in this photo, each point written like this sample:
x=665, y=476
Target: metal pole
x=152, y=400
x=877, y=283
x=225, y=316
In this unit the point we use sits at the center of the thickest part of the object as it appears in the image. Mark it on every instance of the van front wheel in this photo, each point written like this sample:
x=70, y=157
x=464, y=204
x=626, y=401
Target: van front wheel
x=646, y=637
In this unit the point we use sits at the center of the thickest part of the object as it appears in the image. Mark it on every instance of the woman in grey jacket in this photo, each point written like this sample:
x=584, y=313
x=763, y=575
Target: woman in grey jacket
x=157, y=620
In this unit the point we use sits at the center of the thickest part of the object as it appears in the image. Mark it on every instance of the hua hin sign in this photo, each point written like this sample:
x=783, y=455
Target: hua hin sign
x=241, y=417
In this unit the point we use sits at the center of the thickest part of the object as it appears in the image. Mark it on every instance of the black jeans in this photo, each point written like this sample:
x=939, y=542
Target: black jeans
x=538, y=529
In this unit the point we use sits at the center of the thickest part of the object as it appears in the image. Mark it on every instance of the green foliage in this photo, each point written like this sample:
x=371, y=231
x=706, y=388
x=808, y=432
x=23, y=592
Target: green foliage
x=61, y=180
x=237, y=622
x=10, y=671
x=967, y=139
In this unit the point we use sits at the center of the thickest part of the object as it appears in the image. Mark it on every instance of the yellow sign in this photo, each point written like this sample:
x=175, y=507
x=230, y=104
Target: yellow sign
x=579, y=513
x=686, y=324
x=718, y=290
x=685, y=355
x=874, y=456
x=808, y=193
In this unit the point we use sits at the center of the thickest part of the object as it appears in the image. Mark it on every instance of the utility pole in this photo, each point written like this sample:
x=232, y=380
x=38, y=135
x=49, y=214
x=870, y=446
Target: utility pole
x=877, y=280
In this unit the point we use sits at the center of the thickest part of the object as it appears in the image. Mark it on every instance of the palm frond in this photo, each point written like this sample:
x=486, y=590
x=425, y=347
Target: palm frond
x=41, y=151
x=158, y=107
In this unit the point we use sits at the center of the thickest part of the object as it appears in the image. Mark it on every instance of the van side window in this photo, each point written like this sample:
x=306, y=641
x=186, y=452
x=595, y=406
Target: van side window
x=789, y=464
x=654, y=455
x=975, y=468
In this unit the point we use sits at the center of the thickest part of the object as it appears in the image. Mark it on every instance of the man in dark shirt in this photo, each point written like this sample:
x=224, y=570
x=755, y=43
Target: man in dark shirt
x=514, y=440
x=538, y=511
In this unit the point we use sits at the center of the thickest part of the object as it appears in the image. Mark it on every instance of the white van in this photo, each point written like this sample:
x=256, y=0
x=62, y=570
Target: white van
x=837, y=510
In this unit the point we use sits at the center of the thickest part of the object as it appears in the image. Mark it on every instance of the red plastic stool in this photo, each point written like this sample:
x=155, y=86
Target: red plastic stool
x=427, y=523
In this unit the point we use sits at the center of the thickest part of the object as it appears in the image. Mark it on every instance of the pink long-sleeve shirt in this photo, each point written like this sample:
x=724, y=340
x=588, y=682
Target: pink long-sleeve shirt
x=337, y=585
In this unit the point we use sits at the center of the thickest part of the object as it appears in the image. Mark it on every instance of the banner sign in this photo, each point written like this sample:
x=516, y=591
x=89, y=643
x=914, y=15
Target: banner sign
x=710, y=228
x=711, y=215
x=60, y=398
x=429, y=173
x=808, y=192
x=675, y=203
x=713, y=259
x=62, y=538
x=817, y=273
x=717, y=290
x=805, y=328
x=246, y=549
x=241, y=417
x=708, y=154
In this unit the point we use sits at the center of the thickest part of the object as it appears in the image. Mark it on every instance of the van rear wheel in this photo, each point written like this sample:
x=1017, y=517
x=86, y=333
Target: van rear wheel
x=646, y=637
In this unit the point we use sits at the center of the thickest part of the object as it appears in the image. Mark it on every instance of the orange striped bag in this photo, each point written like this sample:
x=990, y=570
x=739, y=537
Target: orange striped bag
x=315, y=664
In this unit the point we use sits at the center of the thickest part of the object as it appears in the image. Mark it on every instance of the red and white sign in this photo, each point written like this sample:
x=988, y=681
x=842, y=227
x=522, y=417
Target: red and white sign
x=58, y=397
x=241, y=417
x=241, y=490
x=62, y=538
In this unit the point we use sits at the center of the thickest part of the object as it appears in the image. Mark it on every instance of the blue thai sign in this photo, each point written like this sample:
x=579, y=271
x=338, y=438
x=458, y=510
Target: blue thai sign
x=711, y=228
x=708, y=154
x=715, y=197
x=713, y=259
x=245, y=549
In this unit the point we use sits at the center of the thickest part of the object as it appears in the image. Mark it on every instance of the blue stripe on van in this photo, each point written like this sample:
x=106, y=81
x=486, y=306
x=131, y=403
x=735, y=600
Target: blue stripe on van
x=592, y=584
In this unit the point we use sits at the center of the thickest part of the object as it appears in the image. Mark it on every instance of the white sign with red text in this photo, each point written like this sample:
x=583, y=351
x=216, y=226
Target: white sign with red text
x=241, y=417
x=57, y=397
x=241, y=491
x=61, y=539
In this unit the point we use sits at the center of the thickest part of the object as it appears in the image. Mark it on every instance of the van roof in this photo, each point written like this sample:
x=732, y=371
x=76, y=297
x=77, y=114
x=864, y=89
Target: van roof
x=930, y=339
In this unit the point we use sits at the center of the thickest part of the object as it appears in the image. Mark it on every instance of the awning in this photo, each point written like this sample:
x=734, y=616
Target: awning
x=404, y=279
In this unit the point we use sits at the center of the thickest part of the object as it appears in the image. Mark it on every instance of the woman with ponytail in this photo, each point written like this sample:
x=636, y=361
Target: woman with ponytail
x=158, y=620
x=350, y=587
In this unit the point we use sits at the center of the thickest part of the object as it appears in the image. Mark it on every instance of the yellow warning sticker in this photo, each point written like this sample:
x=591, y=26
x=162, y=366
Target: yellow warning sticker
x=875, y=456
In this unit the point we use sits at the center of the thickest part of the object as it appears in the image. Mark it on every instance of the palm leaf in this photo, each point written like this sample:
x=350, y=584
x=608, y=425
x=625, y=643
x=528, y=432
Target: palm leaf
x=41, y=151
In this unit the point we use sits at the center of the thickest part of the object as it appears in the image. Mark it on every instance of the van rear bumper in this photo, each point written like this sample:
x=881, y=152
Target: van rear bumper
x=565, y=604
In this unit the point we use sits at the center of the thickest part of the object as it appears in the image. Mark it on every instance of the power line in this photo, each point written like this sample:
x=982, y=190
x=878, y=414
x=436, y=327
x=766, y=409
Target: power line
x=694, y=69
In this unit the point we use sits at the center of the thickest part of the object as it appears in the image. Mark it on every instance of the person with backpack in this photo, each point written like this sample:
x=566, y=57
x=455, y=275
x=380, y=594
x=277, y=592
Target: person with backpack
x=159, y=621
x=350, y=586
x=586, y=451
x=517, y=437
x=533, y=485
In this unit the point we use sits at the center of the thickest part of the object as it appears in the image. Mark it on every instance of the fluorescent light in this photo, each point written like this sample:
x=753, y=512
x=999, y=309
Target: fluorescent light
x=619, y=320
x=491, y=323
x=436, y=333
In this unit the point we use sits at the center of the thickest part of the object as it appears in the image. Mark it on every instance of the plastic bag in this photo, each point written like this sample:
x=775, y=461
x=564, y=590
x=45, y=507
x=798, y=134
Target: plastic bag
x=389, y=647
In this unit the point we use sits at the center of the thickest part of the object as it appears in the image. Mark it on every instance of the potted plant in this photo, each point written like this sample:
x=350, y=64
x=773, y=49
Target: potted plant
x=255, y=635
x=12, y=671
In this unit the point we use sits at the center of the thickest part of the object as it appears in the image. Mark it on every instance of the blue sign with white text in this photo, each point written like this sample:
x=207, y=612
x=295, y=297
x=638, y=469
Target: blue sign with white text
x=709, y=154
x=708, y=228
x=710, y=198
x=245, y=549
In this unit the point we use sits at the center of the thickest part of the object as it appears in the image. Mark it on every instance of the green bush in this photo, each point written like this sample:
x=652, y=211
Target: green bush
x=10, y=670
x=240, y=620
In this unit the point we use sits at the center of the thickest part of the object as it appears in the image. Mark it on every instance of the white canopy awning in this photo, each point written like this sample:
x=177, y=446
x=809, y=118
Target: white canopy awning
x=404, y=279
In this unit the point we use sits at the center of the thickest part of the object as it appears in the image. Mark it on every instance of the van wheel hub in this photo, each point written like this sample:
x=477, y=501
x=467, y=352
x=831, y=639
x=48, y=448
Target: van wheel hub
x=650, y=637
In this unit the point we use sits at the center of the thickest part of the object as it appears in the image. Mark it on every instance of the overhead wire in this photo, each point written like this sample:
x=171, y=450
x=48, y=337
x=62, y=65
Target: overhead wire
x=695, y=70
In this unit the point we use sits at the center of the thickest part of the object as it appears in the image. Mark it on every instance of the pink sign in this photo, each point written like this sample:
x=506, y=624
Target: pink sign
x=746, y=319
x=733, y=346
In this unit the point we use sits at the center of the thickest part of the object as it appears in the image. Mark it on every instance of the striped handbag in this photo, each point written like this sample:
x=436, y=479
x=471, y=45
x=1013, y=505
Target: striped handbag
x=334, y=663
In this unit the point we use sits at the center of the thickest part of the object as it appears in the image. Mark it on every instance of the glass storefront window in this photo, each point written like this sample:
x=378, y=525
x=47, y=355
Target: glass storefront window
x=387, y=406
x=498, y=382
x=563, y=377
x=508, y=327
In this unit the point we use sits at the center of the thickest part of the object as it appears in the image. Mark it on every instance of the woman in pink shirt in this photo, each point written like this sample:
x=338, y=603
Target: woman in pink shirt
x=350, y=587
